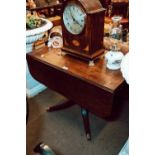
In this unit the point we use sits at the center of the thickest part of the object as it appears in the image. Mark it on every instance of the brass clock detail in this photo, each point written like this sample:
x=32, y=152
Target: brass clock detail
x=83, y=26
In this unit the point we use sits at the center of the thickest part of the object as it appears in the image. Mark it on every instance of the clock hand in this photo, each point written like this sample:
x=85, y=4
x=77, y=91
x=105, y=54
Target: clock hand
x=74, y=18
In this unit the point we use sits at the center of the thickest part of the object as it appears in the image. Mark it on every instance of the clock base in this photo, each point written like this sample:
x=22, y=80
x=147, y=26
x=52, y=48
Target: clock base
x=82, y=55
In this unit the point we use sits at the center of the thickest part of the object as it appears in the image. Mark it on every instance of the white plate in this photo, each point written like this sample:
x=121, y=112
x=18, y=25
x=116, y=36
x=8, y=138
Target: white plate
x=125, y=67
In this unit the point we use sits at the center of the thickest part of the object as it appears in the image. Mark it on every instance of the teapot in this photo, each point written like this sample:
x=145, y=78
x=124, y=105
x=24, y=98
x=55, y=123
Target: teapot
x=113, y=59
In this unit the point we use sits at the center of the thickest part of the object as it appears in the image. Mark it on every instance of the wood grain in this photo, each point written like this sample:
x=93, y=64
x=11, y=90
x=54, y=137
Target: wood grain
x=98, y=75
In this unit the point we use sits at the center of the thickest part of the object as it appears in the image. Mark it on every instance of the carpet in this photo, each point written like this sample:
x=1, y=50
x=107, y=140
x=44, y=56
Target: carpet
x=63, y=130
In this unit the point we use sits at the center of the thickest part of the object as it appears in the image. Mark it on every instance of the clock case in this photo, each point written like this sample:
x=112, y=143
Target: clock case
x=88, y=44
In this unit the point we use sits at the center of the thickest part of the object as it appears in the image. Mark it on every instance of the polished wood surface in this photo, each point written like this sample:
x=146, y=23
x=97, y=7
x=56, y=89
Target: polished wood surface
x=76, y=80
x=93, y=88
x=98, y=75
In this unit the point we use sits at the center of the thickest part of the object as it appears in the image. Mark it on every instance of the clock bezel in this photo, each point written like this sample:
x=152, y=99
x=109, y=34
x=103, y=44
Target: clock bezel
x=85, y=18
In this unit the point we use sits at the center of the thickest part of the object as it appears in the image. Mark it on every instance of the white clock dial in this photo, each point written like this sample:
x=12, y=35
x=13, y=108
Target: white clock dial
x=74, y=18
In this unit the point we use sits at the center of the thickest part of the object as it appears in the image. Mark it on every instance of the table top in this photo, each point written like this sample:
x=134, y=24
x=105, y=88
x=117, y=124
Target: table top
x=98, y=75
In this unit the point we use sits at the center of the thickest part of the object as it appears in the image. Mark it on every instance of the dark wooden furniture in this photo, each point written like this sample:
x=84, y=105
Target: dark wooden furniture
x=106, y=4
x=120, y=8
x=88, y=44
x=94, y=89
x=117, y=8
x=49, y=8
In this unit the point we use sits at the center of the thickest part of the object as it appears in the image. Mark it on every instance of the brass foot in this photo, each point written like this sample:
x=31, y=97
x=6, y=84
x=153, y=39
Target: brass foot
x=88, y=136
x=91, y=63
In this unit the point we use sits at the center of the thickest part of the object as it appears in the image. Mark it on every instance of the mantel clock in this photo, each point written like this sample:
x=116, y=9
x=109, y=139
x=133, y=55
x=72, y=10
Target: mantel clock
x=83, y=28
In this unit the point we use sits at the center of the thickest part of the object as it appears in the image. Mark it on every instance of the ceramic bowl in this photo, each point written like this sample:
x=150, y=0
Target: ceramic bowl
x=35, y=34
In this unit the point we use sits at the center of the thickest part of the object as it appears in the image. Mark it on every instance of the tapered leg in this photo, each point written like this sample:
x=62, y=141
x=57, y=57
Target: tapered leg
x=85, y=116
x=60, y=106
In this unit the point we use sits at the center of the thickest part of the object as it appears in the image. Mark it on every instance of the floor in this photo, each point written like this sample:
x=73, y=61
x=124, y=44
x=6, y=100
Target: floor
x=63, y=130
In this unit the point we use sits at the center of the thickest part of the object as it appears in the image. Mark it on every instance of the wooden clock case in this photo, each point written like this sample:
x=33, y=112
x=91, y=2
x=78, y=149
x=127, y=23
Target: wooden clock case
x=88, y=44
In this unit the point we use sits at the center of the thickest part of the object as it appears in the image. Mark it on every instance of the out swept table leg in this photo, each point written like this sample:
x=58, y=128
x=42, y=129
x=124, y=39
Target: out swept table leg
x=60, y=106
x=85, y=116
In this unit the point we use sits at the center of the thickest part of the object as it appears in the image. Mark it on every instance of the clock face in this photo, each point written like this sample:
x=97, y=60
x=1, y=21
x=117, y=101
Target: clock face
x=74, y=18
